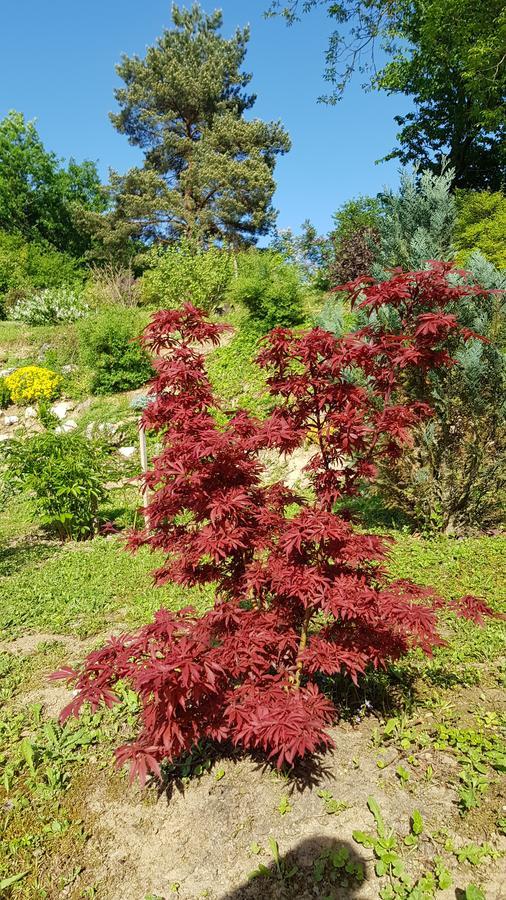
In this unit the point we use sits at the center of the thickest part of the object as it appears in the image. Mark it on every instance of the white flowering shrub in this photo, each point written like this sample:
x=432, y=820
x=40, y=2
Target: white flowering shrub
x=52, y=306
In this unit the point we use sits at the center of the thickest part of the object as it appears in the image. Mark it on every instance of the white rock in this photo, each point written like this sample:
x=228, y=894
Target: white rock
x=5, y=372
x=127, y=452
x=68, y=425
x=30, y=412
x=60, y=410
x=68, y=369
x=11, y=420
x=4, y=437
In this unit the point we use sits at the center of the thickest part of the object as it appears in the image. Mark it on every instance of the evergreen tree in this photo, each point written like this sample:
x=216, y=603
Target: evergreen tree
x=208, y=172
x=417, y=223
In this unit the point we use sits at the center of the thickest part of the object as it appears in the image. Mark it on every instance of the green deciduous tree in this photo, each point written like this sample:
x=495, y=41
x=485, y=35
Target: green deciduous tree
x=208, y=172
x=481, y=225
x=40, y=198
x=447, y=56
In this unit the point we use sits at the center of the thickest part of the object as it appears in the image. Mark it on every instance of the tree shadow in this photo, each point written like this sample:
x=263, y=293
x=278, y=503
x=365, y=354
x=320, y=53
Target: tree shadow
x=319, y=866
x=24, y=555
x=305, y=774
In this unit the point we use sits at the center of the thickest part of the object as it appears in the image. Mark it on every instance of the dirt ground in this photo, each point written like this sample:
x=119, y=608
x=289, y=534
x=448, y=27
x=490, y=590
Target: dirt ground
x=204, y=838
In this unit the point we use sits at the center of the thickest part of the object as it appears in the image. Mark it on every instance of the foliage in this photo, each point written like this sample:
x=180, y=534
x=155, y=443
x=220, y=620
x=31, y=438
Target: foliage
x=52, y=306
x=39, y=198
x=112, y=284
x=388, y=847
x=309, y=251
x=353, y=239
x=270, y=289
x=65, y=474
x=454, y=71
x=32, y=383
x=28, y=267
x=5, y=394
x=481, y=225
x=454, y=477
x=185, y=273
x=417, y=222
x=208, y=171
x=447, y=56
x=300, y=593
x=238, y=381
x=108, y=345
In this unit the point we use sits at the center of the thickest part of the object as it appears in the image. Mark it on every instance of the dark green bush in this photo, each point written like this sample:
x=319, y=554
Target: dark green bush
x=108, y=345
x=5, y=394
x=64, y=474
x=270, y=288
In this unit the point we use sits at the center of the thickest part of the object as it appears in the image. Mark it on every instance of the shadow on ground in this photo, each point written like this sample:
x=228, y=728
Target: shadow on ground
x=316, y=867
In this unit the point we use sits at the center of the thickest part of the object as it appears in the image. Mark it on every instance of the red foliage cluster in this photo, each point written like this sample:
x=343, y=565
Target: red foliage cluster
x=299, y=592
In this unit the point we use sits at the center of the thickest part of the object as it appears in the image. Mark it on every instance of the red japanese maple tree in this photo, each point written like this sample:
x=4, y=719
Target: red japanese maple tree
x=299, y=592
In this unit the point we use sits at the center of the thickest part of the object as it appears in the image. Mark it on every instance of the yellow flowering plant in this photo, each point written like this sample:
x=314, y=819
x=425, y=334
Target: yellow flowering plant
x=32, y=383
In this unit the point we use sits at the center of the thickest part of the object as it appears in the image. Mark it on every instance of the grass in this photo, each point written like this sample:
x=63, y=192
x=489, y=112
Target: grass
x=236, y=377
x=81, y=588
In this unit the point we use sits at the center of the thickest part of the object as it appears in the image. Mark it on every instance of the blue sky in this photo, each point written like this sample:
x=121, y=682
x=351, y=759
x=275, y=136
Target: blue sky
x=57, y=64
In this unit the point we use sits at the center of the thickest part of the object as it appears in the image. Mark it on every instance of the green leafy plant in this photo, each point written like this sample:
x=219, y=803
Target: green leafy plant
x=270, y=289
x=284, y=806
x=283, y=871
x=5, y=394
x=185, y=272
x=332, y=806
x=108, y=345
x=386, y=847
x=64, y=474
x=335, y=863
x=52, y=306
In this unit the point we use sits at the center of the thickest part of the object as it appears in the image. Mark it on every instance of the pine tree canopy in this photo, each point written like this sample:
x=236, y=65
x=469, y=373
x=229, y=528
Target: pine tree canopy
x=208, y=171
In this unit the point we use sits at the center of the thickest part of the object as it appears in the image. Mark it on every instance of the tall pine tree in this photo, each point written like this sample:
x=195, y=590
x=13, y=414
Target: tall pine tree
x=208, y=171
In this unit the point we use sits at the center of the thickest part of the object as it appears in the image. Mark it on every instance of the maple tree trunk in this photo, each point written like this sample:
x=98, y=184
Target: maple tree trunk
x=302, y=646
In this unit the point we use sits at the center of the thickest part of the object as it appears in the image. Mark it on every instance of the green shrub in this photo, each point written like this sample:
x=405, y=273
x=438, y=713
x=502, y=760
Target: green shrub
x=52, y=306
x=270, y=288
x=481, y=225
x=182, y=273
x=5, y=394
x=64, y=474
x=108, y=346
x=26, y=268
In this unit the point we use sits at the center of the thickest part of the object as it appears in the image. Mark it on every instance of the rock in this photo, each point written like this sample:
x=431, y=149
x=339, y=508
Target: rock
x=30, y=412
x=42, y=352
x=11, y=420
x=5, y=372
x=4, y=437
x=68, y=369
x=65, y=427
x=127, y=452
x=61, y=409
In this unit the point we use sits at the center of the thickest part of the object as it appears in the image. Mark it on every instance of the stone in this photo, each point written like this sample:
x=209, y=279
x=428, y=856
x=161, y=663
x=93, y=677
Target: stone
x=4, y=437
x=68, y=369
x=5, y=372
x=61, y=409
x=127, y=452
x=30, y=412
x=65, y=427
x=11, y=420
